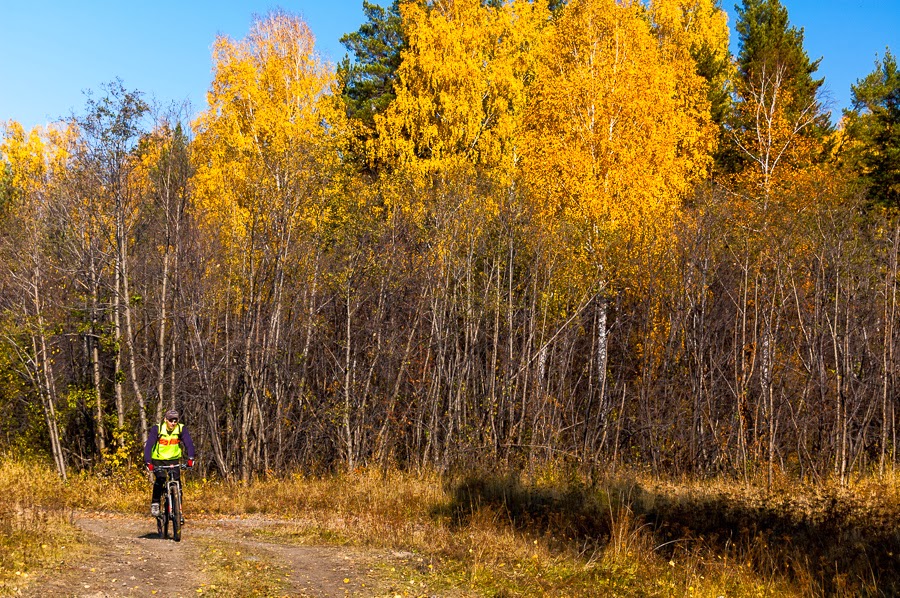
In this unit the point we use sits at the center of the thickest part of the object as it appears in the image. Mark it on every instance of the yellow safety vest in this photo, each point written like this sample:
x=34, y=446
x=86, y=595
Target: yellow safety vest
x=168, y=445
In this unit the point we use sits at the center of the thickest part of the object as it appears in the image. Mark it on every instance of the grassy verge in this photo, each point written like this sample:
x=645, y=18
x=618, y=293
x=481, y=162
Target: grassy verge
x=35, y=523
x=536, y=536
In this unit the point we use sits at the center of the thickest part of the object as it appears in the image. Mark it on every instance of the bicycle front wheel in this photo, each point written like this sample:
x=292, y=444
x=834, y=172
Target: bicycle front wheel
x=162, y=522
x=176, y=517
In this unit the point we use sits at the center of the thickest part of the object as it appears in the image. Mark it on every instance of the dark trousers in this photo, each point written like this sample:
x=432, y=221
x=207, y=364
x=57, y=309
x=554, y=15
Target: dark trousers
x=159, y=483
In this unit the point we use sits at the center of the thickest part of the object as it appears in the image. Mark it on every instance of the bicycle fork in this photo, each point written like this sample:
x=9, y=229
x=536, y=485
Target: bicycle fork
x=172, y=489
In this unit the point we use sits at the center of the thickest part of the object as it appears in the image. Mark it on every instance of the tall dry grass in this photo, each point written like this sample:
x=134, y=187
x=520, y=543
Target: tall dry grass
x=540, y=535
x=35, y=522
x=496, y=536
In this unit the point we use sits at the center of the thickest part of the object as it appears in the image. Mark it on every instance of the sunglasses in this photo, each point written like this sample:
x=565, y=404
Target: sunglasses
x=174, y=421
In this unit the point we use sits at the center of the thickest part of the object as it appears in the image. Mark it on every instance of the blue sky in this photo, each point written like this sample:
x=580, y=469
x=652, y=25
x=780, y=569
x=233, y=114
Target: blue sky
x=53, y=50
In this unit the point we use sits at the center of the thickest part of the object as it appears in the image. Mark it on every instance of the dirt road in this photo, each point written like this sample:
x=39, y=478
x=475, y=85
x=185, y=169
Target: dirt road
x=220, y=557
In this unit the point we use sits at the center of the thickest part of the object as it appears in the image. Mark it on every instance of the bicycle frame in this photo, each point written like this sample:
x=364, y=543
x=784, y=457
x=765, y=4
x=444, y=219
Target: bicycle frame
x=170, y=509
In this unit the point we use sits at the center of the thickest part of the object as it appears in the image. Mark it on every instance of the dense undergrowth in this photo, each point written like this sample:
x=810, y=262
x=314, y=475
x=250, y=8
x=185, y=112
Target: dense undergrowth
x=517, y=535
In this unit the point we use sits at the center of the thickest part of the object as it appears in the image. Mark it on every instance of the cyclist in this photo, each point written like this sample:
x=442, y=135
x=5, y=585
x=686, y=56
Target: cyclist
x=164, y=448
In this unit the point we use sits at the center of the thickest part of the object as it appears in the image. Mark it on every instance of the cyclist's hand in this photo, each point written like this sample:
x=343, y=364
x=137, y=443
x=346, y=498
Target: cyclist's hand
x=149, y=466
x=190, y=462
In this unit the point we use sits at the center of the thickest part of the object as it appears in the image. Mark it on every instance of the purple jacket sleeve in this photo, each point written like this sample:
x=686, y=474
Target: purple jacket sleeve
x=188, y=443
x=151, y=442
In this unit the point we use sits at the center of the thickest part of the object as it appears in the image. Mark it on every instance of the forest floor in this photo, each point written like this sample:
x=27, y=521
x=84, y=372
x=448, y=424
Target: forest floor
x=123, y=555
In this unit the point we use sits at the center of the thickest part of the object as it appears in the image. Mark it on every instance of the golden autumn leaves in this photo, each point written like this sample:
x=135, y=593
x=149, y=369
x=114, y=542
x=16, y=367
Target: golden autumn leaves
x=594, y=113
x=270, y=133
x=597, y=107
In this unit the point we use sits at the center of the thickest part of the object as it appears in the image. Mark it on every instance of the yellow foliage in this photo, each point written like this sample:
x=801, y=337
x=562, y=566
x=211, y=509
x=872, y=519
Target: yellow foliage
x=618, y=130
x=593, y=120
x=36, y=156
x=451, y=137
x=770, y=137
x=461, y=86
x=37, y=162
x=266, y=147
x=270, y=129
x=692, y=25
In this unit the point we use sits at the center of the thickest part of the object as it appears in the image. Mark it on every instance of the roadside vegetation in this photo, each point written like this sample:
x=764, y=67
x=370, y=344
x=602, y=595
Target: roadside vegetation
x=542, y=534
x=35, y=521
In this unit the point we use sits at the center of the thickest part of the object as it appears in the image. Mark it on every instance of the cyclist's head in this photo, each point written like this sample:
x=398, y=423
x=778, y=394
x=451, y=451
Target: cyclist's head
x=171, y=417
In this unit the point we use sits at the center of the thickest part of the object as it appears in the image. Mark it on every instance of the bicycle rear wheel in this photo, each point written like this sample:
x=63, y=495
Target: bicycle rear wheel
x=176, y=517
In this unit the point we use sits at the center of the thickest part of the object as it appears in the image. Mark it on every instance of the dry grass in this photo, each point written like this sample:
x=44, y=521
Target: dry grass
x=823, y=539
x=494, y=537
x=537, y=536
x=35, y=523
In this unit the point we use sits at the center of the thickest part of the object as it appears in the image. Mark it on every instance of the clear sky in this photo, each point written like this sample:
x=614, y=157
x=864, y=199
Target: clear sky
x=53, y=50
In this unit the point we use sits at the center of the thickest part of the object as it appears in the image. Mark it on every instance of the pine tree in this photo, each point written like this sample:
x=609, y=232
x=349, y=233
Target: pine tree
x=774, y=81
x=770, y=46
x=873, y=125
x=369, y=79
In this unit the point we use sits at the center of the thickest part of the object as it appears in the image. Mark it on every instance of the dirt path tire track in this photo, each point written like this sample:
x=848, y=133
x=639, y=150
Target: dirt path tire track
x=125, y=557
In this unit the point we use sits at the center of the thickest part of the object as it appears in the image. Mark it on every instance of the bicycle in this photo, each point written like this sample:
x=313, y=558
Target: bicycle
x=170, y=509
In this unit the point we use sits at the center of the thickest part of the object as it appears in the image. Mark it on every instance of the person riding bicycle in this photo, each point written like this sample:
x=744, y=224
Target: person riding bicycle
x=163, y=447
